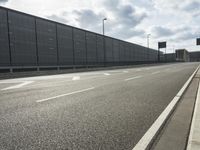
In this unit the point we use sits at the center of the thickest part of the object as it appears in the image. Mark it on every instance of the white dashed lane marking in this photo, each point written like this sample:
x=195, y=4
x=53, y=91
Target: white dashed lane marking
x=67, y=94
x=17, y=86
x=136, y=77
x=107, y=74
x=155, y=72
x=76, y=78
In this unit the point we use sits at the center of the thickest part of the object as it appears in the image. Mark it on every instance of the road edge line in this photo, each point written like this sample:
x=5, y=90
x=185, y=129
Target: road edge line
x=190, y=139
x=146, y=141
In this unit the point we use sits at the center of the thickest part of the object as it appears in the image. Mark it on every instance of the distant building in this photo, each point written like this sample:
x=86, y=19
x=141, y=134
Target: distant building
x=195, y=56
x=170, y=57
x=182, y=55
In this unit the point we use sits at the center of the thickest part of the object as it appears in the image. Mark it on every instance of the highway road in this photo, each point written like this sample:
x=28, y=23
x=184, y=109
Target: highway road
x=109, y=109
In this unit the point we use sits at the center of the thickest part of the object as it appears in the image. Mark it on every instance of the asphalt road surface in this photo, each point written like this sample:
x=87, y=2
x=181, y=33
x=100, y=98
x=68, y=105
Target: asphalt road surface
x=110, y=109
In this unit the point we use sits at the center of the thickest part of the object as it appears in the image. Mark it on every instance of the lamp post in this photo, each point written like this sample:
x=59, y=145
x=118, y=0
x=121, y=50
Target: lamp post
x=104, y=48
x=104, y=19
x=148, y=36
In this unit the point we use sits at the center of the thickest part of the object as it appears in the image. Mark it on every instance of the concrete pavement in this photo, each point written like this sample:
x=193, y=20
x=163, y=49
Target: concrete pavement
x=110, y=109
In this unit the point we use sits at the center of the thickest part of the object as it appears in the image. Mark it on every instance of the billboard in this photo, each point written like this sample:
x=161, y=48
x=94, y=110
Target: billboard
x=198, y=41
x=162, y=44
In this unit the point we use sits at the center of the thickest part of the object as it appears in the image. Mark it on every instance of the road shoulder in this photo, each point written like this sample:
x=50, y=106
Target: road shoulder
x=174, y=135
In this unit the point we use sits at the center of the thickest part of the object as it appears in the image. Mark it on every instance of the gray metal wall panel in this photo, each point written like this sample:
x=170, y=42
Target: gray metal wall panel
x=4, y=43
x=91, y=48
x=133, y=57
x=140, y=53
x=109, y=49
x=47, y=42
x=143, y=54
x=122, y=51
x=131, y=53
x=86, y=47
x=116, y=47
x=137, y=53
x=127, y=53
x=65, y=45
x=100, y=49
x=79, y=47
x=22, y=39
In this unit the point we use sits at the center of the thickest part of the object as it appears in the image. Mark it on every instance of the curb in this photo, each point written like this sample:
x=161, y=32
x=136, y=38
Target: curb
x=148, y=138
x=193, y=143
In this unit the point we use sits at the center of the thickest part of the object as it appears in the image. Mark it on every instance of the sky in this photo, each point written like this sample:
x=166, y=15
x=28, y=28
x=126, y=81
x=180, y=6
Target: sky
x=174, y=21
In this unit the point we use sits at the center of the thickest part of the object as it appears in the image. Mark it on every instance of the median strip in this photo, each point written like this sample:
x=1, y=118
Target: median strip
x=67, y=94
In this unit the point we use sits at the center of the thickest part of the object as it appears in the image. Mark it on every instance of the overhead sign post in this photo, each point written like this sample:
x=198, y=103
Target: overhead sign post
x=161, y=45
x=198, y=41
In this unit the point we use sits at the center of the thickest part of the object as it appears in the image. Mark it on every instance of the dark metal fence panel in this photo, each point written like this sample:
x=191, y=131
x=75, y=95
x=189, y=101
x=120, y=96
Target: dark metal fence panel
x=155, y=55
x=116, y=47
x=4, y=41
x=130, y=52
x=137, y=53
x=65, y=45
x=133, y=57
x=91, y=48
x=146, y=54
x=109, y=50
x=79, y=47
x=22, y=39
x=122, y=52
x=47, y=42
x=26, y=40
x=100, y=49
x=151, y=55
x=126, y=52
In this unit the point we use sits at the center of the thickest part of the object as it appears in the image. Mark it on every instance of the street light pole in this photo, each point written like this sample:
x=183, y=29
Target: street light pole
x=104, y=47
x=148, y=36
x=104, y=19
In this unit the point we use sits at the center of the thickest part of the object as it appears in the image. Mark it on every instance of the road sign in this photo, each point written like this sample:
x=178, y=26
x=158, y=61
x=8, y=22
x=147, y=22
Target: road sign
x=162, y=44
x=198, y=41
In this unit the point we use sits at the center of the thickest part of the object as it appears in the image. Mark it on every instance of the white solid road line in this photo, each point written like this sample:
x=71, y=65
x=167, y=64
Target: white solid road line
x=136, y=77
x=155, y=72
x=62, y=95
x=148, y=137
x=17, y=86
x=76, y=78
